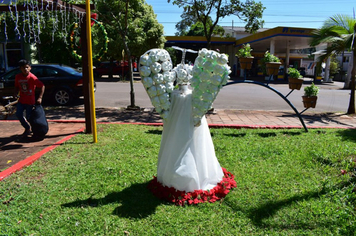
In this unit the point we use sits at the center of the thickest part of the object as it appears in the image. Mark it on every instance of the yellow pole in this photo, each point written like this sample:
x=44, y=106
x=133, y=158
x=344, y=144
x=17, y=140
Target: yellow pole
x=90, y=66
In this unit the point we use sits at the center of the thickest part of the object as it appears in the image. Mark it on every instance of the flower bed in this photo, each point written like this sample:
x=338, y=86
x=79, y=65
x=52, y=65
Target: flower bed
x=181, y=198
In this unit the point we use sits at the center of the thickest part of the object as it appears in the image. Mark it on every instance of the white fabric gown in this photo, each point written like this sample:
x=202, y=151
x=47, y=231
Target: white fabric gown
x=186, y=159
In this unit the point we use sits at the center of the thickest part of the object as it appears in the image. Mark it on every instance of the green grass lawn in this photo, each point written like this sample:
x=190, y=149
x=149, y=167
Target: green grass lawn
x=289, y=182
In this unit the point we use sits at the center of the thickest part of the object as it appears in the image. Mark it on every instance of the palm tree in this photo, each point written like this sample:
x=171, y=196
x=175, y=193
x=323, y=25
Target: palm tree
x=338, y=33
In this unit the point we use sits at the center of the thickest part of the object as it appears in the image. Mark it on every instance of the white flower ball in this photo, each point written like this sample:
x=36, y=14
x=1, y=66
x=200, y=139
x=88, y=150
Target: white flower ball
x=152, y=91
x=216, y=80
x=199, y=61
x=205, y=76
x=181, y=74
x=169, y=87
x=154, y=56
x=166, y=66
x=203, y=52
x=155, y=101
x=158, y=78
x=194, y=81
x=164, y=55
x=208, y=66
x=164, y=98
x=166, y=105
x=207, y=97
x=144, y=60
x=147, y=82
x=161, y=89
x=213, y=89
x=203, y=87
x=145, y=71
x=212, y=56
x=219, y=69
x=222, y=59
x=196, y=71
x=156, y=67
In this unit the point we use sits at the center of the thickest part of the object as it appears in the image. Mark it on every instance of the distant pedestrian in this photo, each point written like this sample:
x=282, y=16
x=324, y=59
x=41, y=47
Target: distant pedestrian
x=25, y=88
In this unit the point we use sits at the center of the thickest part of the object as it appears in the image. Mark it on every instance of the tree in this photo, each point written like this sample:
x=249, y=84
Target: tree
x=197, y=29
x=201, y=11
x=132, y=26
x=338, y=33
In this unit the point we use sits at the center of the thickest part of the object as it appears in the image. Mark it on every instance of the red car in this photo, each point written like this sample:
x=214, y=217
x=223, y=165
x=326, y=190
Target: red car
x=117, y=68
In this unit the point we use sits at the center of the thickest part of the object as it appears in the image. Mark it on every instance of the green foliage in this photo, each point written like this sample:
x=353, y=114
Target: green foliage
x=289, y=182
x=269, y=57
x=202, y=11
x=244, y=51
x=311, y=90
x=141, y=33
x=294, y=73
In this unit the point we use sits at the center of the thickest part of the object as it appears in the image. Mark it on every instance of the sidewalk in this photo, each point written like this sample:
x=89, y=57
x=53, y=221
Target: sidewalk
x=64, y=123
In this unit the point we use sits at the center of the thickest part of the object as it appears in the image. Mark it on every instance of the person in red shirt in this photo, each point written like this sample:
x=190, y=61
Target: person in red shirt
x=25, y=87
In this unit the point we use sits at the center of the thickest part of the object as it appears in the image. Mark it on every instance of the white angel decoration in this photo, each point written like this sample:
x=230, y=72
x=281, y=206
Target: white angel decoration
x=186, y=160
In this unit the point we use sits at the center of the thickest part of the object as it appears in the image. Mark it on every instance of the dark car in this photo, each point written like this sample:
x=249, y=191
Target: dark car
x=63, y=83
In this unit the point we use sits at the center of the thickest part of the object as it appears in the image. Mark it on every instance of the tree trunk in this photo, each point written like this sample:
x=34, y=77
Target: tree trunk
x=351, y=109
x=132, y=90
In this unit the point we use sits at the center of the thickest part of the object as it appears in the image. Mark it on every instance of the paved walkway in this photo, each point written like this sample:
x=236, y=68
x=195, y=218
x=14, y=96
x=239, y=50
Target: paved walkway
x=66, y=122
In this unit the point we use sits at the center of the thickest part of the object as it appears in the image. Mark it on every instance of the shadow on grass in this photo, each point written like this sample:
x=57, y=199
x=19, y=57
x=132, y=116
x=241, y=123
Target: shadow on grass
x=135, y=201
x=154, y=132
x=259, y=214
x=348, y=134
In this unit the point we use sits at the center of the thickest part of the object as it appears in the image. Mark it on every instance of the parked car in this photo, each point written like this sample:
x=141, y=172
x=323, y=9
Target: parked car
x=63, y=83
x=118, y=68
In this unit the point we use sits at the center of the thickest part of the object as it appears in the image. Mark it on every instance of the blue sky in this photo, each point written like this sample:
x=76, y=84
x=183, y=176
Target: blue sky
x=296, y=13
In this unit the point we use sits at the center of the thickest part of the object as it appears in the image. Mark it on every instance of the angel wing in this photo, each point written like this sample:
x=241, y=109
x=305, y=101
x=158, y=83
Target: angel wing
x=157, y=78
x=210, y=73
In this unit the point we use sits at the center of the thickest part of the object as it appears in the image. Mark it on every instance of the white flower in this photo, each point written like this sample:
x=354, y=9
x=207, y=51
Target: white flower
x=203, y=52
x=153, y=57
x=208, y=66
x=196, y=71
x=164, y=98
x=181, y=74
x=194, y=81
x=199, y=62
x=205, y=76
x=145, y=71
x=147, y=82
x=219, y=69
x=212, y=56
x=144, y=60
x=158, y=78
x=166, y=66
x=164, y=55
x=166, y=105
x=222, y=59
x=161, y=89
x=207, y=97
x=216, y=80
x=156, y=67
x=152, y=91
x=155, y=101
x=169, y=87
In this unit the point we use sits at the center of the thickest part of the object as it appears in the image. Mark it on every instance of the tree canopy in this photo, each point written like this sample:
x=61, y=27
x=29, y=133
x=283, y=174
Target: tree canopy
x=202, y=11
x=338, y=33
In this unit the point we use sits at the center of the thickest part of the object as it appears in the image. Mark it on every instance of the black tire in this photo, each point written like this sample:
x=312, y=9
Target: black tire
x=62, y=97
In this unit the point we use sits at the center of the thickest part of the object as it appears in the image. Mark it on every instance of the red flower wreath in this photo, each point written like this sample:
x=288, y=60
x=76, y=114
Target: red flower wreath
x=181, y=198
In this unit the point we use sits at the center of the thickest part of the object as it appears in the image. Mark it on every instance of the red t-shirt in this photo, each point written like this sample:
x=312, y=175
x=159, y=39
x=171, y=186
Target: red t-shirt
x=27, y=86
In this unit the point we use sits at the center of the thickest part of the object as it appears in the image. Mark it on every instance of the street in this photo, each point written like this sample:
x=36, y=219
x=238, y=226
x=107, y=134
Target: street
x=240, y=96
